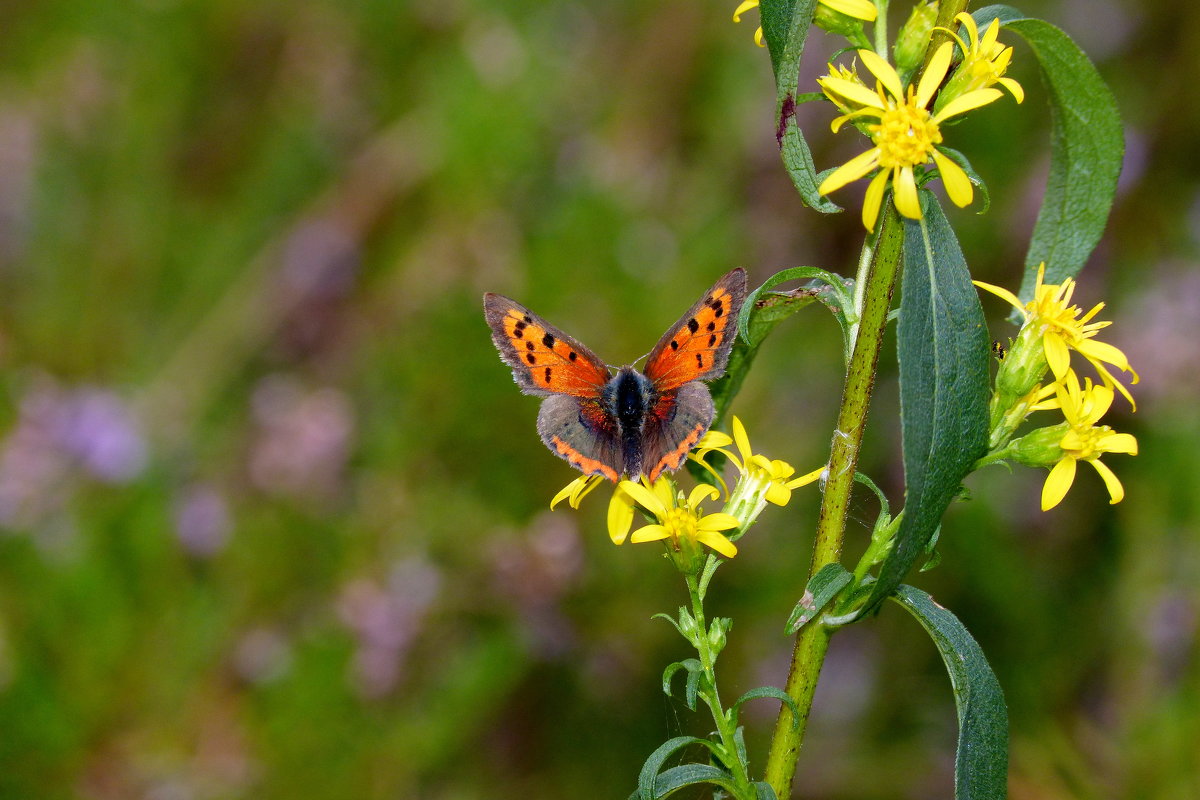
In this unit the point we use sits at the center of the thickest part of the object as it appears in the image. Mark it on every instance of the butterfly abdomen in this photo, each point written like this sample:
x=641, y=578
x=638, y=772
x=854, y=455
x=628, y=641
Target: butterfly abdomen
x=627, y=397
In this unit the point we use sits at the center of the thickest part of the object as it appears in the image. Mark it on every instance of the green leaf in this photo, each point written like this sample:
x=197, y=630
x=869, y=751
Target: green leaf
x=772, y=692
x=821, y=589
x=1086, y=147
x=981, y=763
x=765, y=792
x=692, y=665
x=761, y=311
x=651, y=785
x=943, y=347
x=785, y=25
x=676, y=778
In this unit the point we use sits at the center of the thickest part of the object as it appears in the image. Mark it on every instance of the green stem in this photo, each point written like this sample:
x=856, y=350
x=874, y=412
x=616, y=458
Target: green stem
x=708, y=690
x=813, y=641
x=880, y=31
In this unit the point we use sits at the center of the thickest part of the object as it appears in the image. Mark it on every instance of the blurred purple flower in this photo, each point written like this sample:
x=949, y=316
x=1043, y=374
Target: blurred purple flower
x=262, y=655
x=202, y=521
x=386, y=619
x=303, y=439
x=535, y=575
x=59, y=432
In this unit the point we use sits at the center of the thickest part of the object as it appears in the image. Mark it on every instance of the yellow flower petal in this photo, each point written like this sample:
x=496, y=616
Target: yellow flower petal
x=644, y=497
x=852, y=91
x=718, y=522
x=717, y=542
x=1116, y=492
x=904, y=188
x=873, y=199
x=934, y=73
x=713, y=440
x=859, y=9
x=779, y=494
x=1058, y=355
x=701, y=493
x=1014, y=89
x=1057, y=483
x=1119, y=443
x=1100, y=351
x=741, y=440
x=649, y=533
x=954, y=178
x=743, y=8
x=807, y=478
x=884, y=71
x=967, y=102
x=852, y=170
x=620, y=515
x=1002, y=293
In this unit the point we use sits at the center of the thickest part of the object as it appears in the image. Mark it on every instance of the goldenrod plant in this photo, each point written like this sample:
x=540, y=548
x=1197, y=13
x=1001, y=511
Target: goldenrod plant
x=968, y=398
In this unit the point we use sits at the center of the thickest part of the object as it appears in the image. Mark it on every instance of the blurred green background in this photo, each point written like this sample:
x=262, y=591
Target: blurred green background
x=275, y=516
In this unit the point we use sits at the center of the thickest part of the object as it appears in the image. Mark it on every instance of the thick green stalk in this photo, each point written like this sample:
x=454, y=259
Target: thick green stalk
x=809, y=652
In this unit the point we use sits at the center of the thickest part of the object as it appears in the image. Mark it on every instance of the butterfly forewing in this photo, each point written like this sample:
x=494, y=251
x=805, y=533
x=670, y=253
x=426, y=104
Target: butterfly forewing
x=544, y=360
x=697, y=347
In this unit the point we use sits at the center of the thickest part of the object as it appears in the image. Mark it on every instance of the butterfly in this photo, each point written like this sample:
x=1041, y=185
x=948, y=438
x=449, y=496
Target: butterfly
x=607, y=421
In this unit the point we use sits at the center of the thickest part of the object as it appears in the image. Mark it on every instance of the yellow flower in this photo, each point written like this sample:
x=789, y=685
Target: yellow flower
x=1050, y=312
x=905, y=136
x=859, y=9
x=576, y=490
x=984, y=63
x=761, y=476
x=1084, y=440
x=682, y=524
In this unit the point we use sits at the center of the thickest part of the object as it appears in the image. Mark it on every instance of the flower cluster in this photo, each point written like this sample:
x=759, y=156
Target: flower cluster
x=1052, y=328
x=680, y=520
x=904, y=121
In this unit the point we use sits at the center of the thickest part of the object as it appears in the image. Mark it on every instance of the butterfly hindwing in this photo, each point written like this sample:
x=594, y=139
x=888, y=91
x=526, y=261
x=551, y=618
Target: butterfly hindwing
x=583, y=433
x=544, y=360
x=673, y=426
x=696, y=348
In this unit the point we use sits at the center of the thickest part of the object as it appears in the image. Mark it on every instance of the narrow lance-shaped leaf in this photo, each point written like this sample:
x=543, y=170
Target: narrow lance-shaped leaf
x=785, y=25
x=1086, y=146
x=942, y=344
x=675, y=778
x=981, y=762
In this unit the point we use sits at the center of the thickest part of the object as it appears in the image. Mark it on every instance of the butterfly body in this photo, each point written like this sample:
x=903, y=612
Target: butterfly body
x=613, y=422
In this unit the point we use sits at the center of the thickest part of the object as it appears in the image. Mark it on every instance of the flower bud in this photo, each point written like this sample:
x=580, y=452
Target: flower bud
x=1039, y=448
x=1023, y=368
x=837, y=22
x=717, y=633
x=913, y=38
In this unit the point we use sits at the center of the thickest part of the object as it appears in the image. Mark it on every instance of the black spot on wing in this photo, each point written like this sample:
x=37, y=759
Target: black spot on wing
x=548, y=340
x=693, y=326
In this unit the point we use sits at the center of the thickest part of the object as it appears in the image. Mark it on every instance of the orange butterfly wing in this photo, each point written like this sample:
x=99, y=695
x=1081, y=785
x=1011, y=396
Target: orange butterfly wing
x=544, y=360
x=696, y=348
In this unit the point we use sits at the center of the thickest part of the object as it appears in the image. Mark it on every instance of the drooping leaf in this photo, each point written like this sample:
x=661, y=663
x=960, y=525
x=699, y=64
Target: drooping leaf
x=821, y=589
x=1086, y=147
x=771, y=692
x=981, y=764
x=761, y=312
x=651, y=784
x=693, y=668
x=943, y=349
x=675, y=778
x=785, y=25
